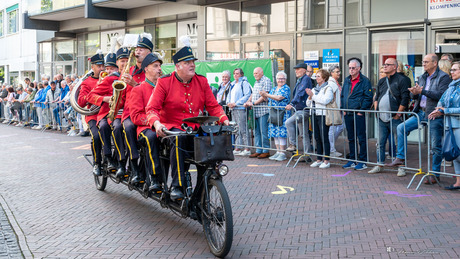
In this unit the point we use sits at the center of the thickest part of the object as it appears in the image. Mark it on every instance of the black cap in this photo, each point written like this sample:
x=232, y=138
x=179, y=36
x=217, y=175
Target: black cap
x=122, y=53
x=97, y=59
x=111, y=60
x=149, y=59
x=301, y=65
x=184, y=54
x=144, y=42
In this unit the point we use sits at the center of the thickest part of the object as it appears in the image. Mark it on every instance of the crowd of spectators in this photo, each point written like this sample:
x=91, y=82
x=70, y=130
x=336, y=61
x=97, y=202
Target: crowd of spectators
x=275, y=111
x=41, y=105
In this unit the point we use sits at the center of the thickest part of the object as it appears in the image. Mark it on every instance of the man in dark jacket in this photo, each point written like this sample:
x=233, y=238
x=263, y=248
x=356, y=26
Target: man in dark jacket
x=356, y=95
x=432, y=84
x=298, y=101
x=392, y=94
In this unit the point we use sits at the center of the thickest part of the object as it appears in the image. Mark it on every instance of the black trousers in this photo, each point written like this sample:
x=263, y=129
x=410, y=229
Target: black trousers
x=131, y=138
x=321, y=131
x=149, y=139
x=181, y=147
x=96, y=144
x=117, y=134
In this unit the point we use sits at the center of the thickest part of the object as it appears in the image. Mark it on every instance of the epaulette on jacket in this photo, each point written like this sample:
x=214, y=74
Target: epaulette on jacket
x=167, y=75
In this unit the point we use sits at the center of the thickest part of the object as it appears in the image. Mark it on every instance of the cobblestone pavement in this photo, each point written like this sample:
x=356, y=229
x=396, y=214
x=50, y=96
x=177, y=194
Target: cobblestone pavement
x=279, y=212
x=9, y=247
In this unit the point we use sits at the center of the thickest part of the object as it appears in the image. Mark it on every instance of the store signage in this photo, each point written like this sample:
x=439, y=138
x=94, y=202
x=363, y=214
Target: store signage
x=189, y=28
x=311, y=58
x=331, y=57
x=438, y=9
x=106, y=37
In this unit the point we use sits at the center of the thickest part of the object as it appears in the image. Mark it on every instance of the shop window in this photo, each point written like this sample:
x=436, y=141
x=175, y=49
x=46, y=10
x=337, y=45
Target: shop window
x=262, y=17
x=356, y=46
x=222, y=49
x=165, y=39
x=223, y=21
x=406, y=10
x=1, y=23
x=136, y=30
x=64, y=50
x=405, y=46
x=357, y=12
x=311, y=14
x=45, y=52
x=254, y=50
x=2, y=74
x=315, y=45
x=92, y=43
x=13, y=19
x=335, y=19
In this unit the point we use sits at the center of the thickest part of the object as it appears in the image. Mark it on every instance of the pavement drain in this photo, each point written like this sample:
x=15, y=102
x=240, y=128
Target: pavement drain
x=9, y=247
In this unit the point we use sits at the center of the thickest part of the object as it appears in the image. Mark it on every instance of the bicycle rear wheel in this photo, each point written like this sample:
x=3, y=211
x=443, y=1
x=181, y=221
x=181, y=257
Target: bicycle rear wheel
x=217, y=218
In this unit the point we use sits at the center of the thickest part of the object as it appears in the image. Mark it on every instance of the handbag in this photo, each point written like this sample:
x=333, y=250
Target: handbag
x=213, y=148
x=333, y=117
x=276, y=116
x=450, y=149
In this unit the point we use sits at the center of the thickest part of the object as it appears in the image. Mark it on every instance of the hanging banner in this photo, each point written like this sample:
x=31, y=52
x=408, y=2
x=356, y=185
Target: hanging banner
x=331, y=57
x=438, y=9
x=213, y=69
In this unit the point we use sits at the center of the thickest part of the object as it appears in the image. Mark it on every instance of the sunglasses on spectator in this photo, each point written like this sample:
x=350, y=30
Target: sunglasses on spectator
x=386, y=65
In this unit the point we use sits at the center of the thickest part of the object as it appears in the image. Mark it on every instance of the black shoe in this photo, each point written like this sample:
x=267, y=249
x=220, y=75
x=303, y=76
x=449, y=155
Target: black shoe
x=135, y=172
x=121, y=170
x=155, y=186
x=176, y=193
x=97, y=170
x=111, y=164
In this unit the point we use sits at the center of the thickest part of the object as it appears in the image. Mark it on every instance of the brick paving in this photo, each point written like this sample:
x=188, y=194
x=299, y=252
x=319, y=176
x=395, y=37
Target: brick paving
x=9, y=247
x=278, y=212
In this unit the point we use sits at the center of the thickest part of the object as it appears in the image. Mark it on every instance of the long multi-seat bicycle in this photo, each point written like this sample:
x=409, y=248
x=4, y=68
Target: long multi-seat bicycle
x=207, y=200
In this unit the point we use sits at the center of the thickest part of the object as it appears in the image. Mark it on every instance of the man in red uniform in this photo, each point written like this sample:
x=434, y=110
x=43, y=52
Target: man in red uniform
x=101, y=96
x=139, y=98
x=97, y=65
x=134, y=78
x=179, y=95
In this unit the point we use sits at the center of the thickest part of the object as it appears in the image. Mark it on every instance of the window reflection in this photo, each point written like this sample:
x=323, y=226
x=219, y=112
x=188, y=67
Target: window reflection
x=262, y=17
x=64, y=50
x=311, y=14
x=222, y=49
x=222, y=22
x=254, y=50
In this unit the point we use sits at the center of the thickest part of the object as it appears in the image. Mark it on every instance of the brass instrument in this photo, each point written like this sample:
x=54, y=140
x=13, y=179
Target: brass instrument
x=94, y=109
x=104, y=74
x=118, y=86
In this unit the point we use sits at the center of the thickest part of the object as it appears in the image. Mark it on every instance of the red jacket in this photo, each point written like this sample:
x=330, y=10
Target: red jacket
x=138, y=76
x=86, y=87
x=97, y=94
x=139, y=98
x=173, y=101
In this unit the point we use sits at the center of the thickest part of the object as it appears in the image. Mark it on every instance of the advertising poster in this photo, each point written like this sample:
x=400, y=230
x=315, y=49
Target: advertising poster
x=331, y=57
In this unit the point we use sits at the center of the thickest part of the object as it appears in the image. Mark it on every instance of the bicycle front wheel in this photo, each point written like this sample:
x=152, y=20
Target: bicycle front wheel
x=217, y=218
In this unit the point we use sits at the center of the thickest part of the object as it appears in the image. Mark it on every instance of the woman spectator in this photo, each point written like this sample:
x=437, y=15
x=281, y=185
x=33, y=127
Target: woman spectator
x=9, y=104
x=319, y=97
x=335, y=131
x=445, y=66
x=449, y=104
x=279, y=96
x=240, y=93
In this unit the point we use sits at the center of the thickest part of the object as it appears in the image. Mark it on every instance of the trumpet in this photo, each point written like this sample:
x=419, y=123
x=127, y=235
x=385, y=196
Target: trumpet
x=104, y=74
x=118, y=86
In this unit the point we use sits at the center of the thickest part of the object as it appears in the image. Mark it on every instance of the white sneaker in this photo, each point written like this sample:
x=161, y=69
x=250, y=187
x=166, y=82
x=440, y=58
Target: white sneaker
x=281, y=157
x=401, y=172
x=39, y=128
x=376, y=169
x=236, y=152
x=274, y=156
x=324, y=165
x=316, y=164
x=336, y=154
x=244, y=153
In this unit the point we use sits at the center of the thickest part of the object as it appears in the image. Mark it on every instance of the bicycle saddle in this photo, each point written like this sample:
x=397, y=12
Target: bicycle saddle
x=201, y=119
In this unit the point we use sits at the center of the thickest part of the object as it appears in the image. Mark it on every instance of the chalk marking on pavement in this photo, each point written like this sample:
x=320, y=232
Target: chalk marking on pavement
x=283, y=189
x=264, y=174
x=80, y=157
x=71, y=142
x=406, y=195
x=22, y=239
x=261, y=165
x=341, y=175
x=7, y=136
x=83, y=147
